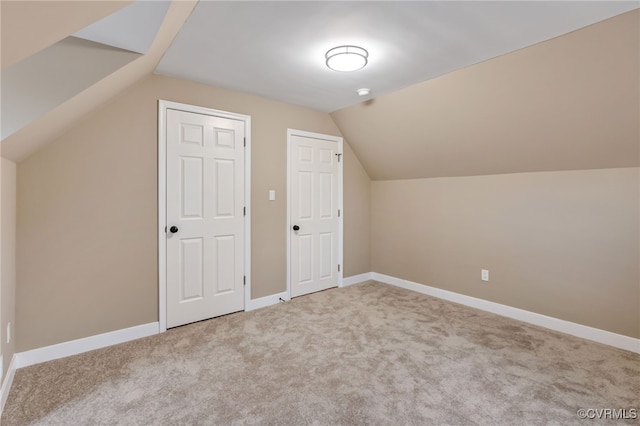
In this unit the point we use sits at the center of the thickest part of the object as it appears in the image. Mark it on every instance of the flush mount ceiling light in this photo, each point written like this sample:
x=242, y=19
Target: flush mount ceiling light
x=364, y=91
x=346, y=58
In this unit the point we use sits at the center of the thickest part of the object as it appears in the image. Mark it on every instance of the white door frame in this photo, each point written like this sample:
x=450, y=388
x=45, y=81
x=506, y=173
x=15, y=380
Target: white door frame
x=163, y=106
x=290, y=134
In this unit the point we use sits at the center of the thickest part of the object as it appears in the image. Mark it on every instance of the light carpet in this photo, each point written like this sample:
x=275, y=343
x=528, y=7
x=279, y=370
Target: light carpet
x=366, y=354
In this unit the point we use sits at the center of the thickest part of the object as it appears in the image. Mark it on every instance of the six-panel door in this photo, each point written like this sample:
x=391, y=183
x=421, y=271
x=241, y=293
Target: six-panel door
x=205, y=202
x=314, y=209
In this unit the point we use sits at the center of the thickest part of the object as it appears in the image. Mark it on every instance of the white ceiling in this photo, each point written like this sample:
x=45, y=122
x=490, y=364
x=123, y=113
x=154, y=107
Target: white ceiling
x=132, y=28
x=276, y=49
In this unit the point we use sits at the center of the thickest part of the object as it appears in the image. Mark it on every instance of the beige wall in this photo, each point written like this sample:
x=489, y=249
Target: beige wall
x=357, y=216
x=87, y=208
x=1, y=281
x=57, y=121
x=562, y=244
x=8, y=265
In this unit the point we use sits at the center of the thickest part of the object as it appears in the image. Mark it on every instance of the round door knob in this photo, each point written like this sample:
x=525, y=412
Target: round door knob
x=173, y=229
x=296, y=227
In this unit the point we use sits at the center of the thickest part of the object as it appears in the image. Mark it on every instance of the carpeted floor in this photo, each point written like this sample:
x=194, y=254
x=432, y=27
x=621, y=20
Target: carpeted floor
x=366, y=354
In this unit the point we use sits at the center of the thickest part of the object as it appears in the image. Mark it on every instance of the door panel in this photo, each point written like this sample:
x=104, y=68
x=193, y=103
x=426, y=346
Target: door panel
x=191, y=187
x=305, y=258
x=191, y=267
x=205, y=201
x=224, y=255
x=326, y=195
x=326, y=254
x=314, y=204
x=224, y=188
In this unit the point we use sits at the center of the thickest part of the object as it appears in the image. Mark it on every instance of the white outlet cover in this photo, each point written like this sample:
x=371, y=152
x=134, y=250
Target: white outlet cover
x=272, y=195
x=484, y=275
x=8, y=332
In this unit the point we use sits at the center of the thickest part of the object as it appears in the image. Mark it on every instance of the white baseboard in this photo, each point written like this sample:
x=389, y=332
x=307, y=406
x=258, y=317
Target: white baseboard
x=578, y=330
x=263, y=302
x=6, y=383
x=274, y=299
x=74, y=347
x=355, y=279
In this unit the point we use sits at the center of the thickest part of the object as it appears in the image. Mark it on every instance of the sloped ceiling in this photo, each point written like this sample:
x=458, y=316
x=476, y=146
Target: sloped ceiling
x=49, y=126
x=46, y=79
x=31, y=26
x=565, y=104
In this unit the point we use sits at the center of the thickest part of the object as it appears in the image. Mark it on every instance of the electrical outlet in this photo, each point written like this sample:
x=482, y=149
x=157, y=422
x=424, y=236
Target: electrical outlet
x=8, y=332
x=484, y=275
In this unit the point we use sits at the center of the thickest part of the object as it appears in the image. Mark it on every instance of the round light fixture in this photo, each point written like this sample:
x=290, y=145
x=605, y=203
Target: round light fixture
x=346, y=58
x=364, y=91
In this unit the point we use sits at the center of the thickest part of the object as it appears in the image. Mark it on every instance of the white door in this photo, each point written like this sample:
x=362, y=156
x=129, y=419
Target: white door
x=205, y=218
x=314, y=212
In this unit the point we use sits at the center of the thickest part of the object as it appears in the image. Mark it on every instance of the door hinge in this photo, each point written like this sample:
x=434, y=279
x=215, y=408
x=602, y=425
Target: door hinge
x=338, y=212
x=245, y=142
x=244, y=211
x=244, y=280
x=338, y=267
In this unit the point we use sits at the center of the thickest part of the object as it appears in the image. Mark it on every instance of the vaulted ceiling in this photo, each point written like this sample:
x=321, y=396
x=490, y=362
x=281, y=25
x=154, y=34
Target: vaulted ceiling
x=34, y=26
x=570, y=103
x=458, y=88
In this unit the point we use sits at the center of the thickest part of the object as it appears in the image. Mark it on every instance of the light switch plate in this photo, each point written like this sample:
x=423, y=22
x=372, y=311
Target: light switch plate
x=272, y=195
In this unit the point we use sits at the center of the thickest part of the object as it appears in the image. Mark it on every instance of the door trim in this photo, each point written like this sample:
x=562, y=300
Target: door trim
x=163, y=106
x=339, y=140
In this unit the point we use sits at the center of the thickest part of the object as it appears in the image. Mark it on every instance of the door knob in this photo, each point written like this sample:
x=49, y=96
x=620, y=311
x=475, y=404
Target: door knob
x=173, y=229
x=296, y=227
